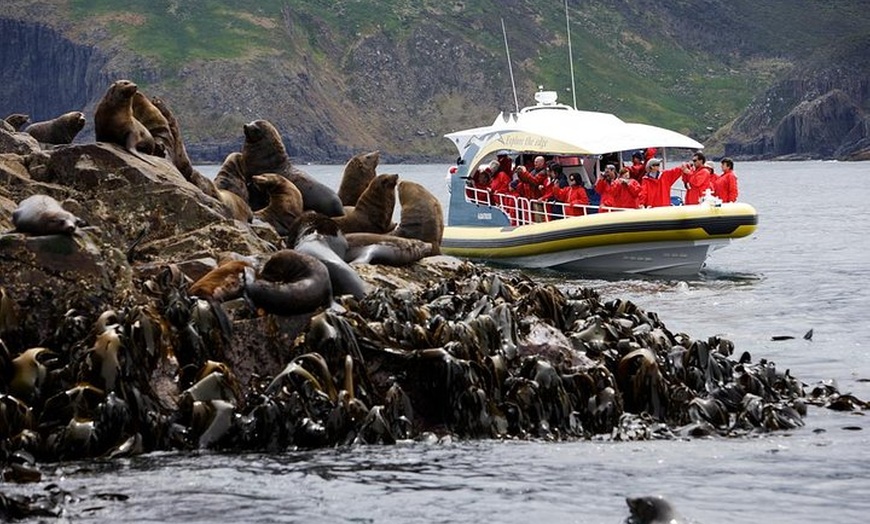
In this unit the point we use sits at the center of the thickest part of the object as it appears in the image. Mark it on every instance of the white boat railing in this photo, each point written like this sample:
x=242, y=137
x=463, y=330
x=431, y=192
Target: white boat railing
x=522, y=210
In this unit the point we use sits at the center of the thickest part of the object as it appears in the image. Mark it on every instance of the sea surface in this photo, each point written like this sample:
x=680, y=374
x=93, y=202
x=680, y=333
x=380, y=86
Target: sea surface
x=805, y=268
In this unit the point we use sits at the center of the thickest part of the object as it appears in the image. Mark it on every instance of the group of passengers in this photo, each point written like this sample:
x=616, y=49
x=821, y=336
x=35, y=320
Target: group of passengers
x=642, y=184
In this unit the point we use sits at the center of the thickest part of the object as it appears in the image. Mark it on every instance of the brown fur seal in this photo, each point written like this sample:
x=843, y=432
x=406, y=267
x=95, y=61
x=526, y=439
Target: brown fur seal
x=358, y=172
x=154, y=121
x=232, y=187
x=373, y=212
x=60, y=130
x=232, y=176
x=285, y=201
x=222, y=283
x=42, y=215
x=422, y=217
x=178, y=153
x=264, y=152
x=114, y=121
x=17, y=120
x=290, y=283
x=389, y=250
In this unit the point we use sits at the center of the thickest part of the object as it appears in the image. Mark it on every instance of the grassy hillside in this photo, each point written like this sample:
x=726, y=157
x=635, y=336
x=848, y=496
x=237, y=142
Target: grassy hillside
x=691, y=65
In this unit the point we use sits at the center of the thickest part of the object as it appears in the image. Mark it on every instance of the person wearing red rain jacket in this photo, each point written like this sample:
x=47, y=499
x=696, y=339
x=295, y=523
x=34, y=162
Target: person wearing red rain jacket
x=655, y=189
x=623, y=192
x=725, y=185
x=574, y=196
x=698, y=178
x=504, y=195
x=637, y=167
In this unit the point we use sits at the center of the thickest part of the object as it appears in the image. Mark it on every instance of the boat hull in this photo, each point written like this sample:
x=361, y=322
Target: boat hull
x=668, y=241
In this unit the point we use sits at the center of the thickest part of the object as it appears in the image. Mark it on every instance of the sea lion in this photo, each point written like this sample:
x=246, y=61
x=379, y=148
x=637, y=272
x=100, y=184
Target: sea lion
x=236, y=208
x=42, y=215
x=154, y=121
x=290, y=283
x=232, y=177
x=421, y=217
x=285, y=201
x=358, y=172
x=264, y=152
x=222, y=283
x=373, y=212
x=320, y=237
x=17, y=120
x=390, y=250
x=60, y=130
x=114, y=121
x=178, y=153
x=651, y=510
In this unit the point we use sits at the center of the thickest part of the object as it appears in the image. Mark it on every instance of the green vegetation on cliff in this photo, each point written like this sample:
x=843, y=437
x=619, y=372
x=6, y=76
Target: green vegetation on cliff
x=345, y=75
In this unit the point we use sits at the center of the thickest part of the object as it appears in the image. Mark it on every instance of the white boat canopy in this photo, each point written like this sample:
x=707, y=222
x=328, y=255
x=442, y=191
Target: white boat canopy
x=561, y=130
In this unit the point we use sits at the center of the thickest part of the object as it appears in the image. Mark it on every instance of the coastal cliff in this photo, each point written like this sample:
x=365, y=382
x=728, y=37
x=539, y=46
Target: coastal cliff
x=360, y=76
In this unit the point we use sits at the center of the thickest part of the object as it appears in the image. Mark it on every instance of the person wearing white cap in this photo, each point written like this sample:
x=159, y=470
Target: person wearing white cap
x=655, y=188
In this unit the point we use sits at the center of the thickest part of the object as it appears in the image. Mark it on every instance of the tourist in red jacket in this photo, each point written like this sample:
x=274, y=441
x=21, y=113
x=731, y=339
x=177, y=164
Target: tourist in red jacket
x=574, y=196
x=725, y=185
x=655, y=189
x=637, y=167
x=698, y=178
x=622, y=192
x=602, y=187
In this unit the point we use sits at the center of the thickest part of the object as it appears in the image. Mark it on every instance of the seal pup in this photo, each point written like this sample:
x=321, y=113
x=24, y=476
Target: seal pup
x=263, y=152
x=114, y=121
x=320, y=237
x=17, y=120
x=290, y=283
x=421, y=216
x=39, y=215
x=60, y=130
x=389, y=250
x=285, y=201
x=373, y=211
x=358, y=172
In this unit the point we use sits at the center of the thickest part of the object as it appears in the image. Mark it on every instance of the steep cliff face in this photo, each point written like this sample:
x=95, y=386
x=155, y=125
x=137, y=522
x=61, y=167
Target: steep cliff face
x=45, y=74
x=820, y=110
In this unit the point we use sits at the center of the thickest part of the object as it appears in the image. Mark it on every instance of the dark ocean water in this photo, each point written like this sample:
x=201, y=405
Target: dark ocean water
x=805, y=268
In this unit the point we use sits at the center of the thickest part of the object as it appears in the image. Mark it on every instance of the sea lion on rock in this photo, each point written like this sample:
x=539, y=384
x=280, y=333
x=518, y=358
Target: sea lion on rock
x=320, y=237
x=290, y=283
x=422, y=217
x=17, y=120
x=285, y=201
x=373, y=212
x=154, y=121
x=222, y=283
x=60, y=130
x=232, y=176
x=42, y=215
x=236, y=208
x=264, y=152
x=114, y=121
x=358, y=172
x=178, y=153
x=390, y=250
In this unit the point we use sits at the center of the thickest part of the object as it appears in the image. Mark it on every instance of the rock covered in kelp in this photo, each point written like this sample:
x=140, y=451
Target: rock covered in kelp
x=105, y=351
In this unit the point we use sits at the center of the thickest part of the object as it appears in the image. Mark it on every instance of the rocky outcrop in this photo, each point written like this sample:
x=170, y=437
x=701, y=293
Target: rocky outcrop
x=818, y=111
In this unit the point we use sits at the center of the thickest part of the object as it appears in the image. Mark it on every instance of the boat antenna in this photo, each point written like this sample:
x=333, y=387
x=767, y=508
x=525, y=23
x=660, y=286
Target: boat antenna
x=510, y=67
x=570, y=53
